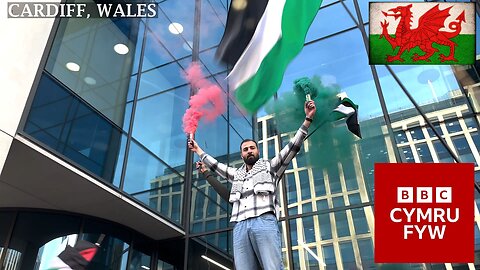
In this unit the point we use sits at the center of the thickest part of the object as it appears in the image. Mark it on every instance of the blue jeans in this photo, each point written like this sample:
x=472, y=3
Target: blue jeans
x=257, y=244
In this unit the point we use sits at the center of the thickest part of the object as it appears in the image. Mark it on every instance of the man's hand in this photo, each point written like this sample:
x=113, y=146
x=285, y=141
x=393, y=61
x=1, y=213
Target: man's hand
x=201, y=167
x=310, y=109
x=193, y=146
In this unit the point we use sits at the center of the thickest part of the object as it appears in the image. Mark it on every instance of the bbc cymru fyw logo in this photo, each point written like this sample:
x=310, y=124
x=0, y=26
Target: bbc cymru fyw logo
x=407, y=33
x=424, y=212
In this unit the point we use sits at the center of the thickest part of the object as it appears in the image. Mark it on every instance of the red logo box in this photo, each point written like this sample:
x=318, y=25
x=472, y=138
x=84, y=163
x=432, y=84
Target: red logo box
x=424, y=213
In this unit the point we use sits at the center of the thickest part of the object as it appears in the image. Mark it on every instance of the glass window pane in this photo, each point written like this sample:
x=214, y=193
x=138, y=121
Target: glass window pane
x=366, y=253
x=84, y=58
x=70, y=127
x=442, y=153
x=400, y=136
x=463, y=149
x=470, y=123
x=350, y=175
x=360, y=221
x=354, y=199
x=322, y=205
x=6, y=219
x=139, y=260
x=325, y=226
x=348, y=257
x=26, y=243
x=182, y=13
x=342, y=224
x=304, y=184
x=142, y=171
x=424, y=152
x=161, y=79
x=453, y=126
x=332, y=13
x=406, y=154
x=212, y=24
x=308, y=229
x=416, y=133
x=318, y=182
x=427, y=84
x=155, y=53
x=329, y=256
x=212, y=65
x=158, y=125
x=291, y=188
x=334, y=180
x=476, y=139
x=211, y=138
x=437, y=127
x=338, y=201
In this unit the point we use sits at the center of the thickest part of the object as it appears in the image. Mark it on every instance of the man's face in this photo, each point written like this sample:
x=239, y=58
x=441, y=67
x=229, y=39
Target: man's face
x=249, y=152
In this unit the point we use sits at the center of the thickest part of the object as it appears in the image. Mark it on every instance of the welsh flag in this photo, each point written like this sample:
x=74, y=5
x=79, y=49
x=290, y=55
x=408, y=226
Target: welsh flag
x=278, y=38
x=77, y=257
x=422, y=33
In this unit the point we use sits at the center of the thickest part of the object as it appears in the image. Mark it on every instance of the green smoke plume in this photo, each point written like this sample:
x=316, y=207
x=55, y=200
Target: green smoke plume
x=332, y=142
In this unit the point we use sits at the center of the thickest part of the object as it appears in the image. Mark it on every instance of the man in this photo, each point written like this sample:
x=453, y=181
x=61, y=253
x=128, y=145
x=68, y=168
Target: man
x=256, y=236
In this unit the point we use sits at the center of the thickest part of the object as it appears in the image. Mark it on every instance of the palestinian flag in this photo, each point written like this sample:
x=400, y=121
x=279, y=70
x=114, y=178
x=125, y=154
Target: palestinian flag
x=422, y=33
x=278, y=38
x=243, y=17
x=77, y=257
x=347, y=109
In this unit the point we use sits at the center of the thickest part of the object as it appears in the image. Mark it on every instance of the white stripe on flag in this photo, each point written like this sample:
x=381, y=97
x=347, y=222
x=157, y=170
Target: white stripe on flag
x=344, y=109
x=268, y=32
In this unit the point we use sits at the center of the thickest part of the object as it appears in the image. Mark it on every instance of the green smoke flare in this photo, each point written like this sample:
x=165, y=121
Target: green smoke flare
x=332, y=142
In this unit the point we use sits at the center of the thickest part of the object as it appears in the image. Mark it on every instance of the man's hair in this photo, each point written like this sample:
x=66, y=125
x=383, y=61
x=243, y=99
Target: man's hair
x=248, y=140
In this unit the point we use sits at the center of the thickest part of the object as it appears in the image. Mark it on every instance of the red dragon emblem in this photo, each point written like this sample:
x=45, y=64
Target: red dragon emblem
x=427, y=32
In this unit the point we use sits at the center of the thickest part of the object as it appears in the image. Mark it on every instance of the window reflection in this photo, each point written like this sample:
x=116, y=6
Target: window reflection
x=164, y=78
x=143, y=170
x=329, y=256
x=433, y=85
x=65, y=124
x=463, y=149
x=158, y=125
x=212, y=24
x=334, y=13
x=103, y=75
x=348, y=257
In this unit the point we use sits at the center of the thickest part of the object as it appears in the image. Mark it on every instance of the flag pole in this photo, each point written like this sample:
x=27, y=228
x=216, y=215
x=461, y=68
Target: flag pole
x=442, y=140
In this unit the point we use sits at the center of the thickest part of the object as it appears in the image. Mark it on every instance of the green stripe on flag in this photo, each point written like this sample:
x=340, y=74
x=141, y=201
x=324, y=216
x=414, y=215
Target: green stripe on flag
x=297, y=17
x=464, y=52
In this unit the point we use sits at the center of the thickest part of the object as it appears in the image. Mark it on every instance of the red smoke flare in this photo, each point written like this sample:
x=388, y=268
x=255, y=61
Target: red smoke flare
x=208, y=102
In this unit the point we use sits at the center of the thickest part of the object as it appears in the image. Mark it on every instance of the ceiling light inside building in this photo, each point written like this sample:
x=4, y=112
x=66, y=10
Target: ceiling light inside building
x=239, y=4
x=215, y=262
x=175, y=28
x=72, y=66
x=121, y=48
x=90, y=80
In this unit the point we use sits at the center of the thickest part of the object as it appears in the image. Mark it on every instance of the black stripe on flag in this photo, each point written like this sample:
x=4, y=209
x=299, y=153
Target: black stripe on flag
x=73, y=257
x=242, y=19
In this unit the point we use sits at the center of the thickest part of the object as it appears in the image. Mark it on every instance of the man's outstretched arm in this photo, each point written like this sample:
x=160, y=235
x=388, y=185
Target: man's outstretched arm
x=280, y=162
x=220, y=168
x=220, y=188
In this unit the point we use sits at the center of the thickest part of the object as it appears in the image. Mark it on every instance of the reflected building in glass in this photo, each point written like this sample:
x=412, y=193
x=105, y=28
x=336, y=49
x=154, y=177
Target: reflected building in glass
x=92, y=146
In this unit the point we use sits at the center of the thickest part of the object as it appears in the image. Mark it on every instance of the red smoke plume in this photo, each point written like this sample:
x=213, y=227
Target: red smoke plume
x=208, y=102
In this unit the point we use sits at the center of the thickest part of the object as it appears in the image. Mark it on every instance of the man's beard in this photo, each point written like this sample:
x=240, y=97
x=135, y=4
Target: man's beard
x=251, y=159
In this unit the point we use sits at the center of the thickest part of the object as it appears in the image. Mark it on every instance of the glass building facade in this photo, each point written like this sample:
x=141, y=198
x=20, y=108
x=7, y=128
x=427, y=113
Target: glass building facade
x=107, y=103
